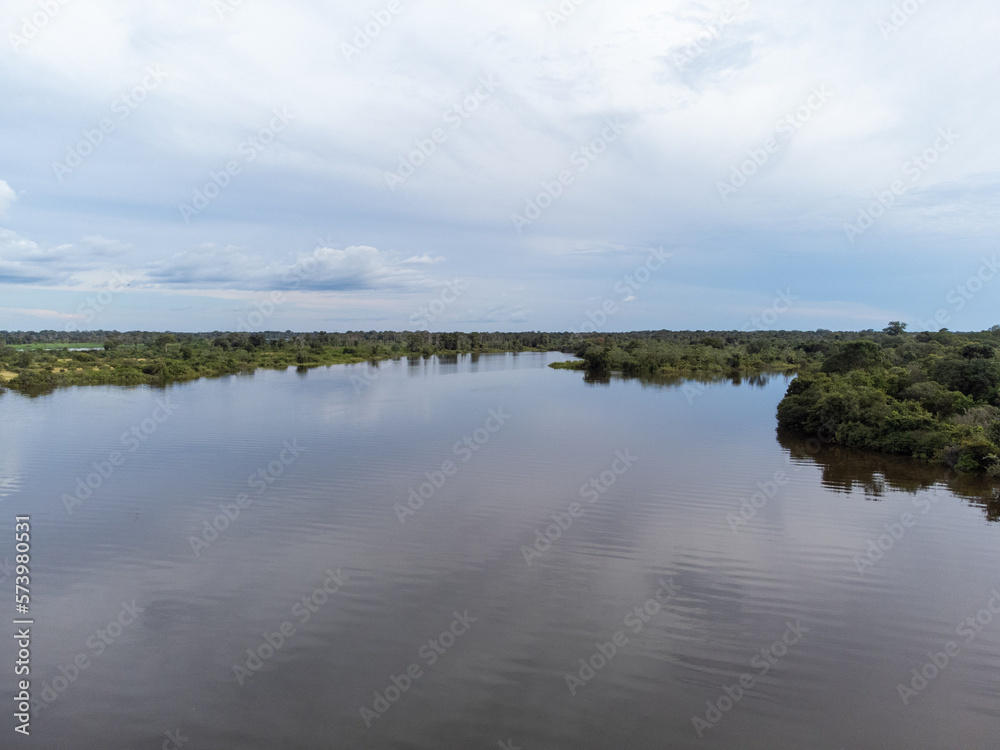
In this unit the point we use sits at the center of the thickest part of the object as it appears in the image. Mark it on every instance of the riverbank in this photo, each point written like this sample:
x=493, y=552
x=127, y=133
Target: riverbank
x=39, y=373
x=934, y=397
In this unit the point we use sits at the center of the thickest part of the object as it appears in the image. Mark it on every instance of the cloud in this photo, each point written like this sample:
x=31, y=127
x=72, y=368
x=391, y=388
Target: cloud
x=7, y=196
x=38, y=313
x=502, y=312
x=355, y=268
x=699, y=88
x=84, y=264
x=23, y=261
x=103, y=246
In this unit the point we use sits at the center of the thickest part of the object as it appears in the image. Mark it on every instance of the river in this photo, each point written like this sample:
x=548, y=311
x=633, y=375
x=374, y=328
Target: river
x=484, y=552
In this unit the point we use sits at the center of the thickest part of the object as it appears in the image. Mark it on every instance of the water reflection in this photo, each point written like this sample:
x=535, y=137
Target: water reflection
x=846, y=470
x=756, y=380
x=368, y=441
x=843, y=469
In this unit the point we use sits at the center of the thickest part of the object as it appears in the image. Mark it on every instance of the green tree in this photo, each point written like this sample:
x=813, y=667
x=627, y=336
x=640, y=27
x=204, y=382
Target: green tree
x=978, y=351
x=415, y=341
x=854, y=355
x=164, y=340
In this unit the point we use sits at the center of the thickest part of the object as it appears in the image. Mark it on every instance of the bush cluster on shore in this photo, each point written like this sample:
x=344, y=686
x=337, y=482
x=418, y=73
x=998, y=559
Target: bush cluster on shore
x=698, y=352
x=934, y=398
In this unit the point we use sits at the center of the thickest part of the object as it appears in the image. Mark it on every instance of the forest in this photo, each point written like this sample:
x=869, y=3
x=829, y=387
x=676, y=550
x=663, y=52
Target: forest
x=932, y=397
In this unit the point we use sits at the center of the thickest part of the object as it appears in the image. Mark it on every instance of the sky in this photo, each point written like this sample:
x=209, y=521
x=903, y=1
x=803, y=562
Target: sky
x=199, y=165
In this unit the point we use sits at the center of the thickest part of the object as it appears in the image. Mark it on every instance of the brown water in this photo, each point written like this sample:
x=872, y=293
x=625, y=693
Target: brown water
x=668, y=587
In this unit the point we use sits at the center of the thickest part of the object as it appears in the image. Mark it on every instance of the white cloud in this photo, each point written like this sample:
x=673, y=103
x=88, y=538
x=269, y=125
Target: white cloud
x=7, y=196
x=687, y=126
x=41, y=313
x=88, y=263
x=23, y=261
x=85, y=264
x=103, y=246
x=351, y=269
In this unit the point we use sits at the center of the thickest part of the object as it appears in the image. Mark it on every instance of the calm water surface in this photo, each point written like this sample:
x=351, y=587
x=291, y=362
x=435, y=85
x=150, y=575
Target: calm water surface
x=670, y=592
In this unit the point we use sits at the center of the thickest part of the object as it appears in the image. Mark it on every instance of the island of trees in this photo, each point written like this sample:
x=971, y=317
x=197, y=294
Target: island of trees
x=933, y=396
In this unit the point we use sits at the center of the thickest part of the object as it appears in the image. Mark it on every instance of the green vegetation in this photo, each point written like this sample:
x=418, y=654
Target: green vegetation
x=575, y=364
x=930, y=396
x=37, y=363
x=693, y=352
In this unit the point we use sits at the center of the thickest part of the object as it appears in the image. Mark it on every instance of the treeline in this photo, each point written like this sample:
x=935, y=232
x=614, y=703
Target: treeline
x=416, y=341
x=741, y=352
x=700, y=352
x=413, y=342
x=153, y=358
